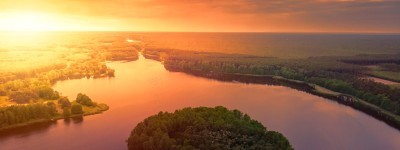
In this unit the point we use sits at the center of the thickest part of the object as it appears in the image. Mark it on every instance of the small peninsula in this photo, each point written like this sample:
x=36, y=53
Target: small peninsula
x=26, y=81
x=19, y=115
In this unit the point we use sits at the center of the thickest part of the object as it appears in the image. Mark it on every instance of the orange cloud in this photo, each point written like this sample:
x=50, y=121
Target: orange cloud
x=224, y=15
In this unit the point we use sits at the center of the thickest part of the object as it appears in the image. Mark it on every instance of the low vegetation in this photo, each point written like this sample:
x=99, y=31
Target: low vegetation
x=386, y=71
x=204, y=128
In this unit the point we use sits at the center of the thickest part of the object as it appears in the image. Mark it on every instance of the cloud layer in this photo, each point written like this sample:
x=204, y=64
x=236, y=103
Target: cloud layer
x=228, y=15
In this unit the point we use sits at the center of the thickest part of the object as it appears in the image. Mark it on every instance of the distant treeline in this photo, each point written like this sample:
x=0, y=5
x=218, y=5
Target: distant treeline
x=77, y=68
x=32, y=85
x=372, y=59
x=8, y=76
x=61, y=72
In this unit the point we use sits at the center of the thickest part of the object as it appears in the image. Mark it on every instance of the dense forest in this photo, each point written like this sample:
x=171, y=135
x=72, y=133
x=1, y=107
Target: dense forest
x=344, y=74
x=18, y=114
x=204, y=128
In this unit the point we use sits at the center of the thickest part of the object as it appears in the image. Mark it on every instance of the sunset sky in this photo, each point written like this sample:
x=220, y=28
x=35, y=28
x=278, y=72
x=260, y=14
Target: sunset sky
x=202, y=15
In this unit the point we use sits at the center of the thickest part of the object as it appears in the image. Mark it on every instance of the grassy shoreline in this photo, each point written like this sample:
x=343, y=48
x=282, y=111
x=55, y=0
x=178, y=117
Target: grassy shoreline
x=334, y=78
x=359, y=104
x=342, y=98
x=384, y=78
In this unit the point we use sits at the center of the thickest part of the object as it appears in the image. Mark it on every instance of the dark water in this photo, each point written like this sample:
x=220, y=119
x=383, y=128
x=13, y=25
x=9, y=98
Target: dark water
x=286, y=45
x=143, y=88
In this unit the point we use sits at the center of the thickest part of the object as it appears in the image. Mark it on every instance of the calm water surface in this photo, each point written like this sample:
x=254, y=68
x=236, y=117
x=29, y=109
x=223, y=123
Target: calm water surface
x=143, y=88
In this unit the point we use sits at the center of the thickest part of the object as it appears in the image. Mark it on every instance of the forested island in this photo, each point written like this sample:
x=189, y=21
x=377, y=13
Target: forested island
x=340, y=78
x=28, y=74
x=204, y=128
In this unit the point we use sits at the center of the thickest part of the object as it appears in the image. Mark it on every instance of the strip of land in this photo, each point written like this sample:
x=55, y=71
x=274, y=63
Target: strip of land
x=336, y=77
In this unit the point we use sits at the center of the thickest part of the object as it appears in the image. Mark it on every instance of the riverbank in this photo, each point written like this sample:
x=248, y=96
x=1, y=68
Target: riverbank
x=389, y=72
x=87, y=111
x=383, y=79
x=296, y=114
x=342, y=98
x=336, y=78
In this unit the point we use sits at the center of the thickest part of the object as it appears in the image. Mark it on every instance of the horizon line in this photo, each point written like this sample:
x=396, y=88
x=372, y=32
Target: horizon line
x=309, y=32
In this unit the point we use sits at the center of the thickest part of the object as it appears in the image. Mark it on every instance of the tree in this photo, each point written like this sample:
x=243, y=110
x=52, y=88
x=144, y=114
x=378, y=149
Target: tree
x=76, y=109
x=111, y=73
x=84, y=100
x=66, y=112
x=11, y=118
x=52, y=110
x=2, y=92
x=64, y=102
x=48, y=93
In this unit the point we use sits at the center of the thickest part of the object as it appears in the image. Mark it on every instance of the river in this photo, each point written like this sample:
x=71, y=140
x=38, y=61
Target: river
x=142, y=88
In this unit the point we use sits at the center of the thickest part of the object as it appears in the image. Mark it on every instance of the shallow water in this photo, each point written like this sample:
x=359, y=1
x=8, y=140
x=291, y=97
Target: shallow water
x=143, y=88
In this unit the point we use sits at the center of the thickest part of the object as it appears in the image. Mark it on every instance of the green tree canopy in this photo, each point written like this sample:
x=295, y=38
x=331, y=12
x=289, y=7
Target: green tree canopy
x=64, y=102
x=48, y=93
x=76, y=109
x=84, y=100
x=204, y=128
x=66, y=112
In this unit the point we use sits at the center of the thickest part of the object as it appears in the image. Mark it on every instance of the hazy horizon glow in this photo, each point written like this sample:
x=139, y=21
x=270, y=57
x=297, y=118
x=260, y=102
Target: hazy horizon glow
x=370, y=16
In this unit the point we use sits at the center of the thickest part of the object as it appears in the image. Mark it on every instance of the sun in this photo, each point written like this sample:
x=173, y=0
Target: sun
x=45, y=21
x=27, y=21
x=41, y=21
